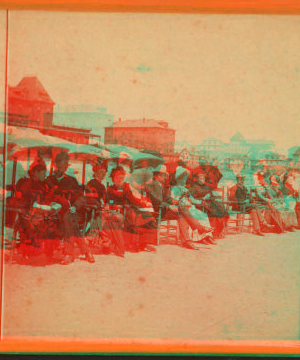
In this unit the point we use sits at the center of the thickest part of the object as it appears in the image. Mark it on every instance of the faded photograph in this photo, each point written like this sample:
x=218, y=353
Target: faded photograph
x=150, y=176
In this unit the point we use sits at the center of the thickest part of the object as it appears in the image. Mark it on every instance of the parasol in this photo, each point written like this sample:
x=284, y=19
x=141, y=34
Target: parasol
x=213, y=174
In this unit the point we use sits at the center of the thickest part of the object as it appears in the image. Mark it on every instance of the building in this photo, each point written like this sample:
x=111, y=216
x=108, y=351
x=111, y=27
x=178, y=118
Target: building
x=29, y=105
x=75, y=115
x=274, y=159
x=145, y=134
x=294, y=152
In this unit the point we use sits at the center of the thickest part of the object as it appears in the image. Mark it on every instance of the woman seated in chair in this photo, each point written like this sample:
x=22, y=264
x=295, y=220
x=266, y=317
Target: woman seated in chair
x=140, y=220
x=96, y=196
x=266, y=198
x=41, y=212
x=115, y=196
x=197, y=219
x=114, y=222
x=287, y=214
x=218, y=216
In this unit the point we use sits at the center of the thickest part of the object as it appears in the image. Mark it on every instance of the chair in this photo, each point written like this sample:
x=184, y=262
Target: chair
x=166, y=229
x=237, y=217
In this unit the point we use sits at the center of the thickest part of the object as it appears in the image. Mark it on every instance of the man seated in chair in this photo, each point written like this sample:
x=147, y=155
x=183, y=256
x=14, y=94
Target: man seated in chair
x=67, y=186
x=240, y=201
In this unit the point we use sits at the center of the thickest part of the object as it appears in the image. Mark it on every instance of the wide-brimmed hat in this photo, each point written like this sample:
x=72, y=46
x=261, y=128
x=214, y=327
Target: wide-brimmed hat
x=140, y=164
x=161, y=169
x=180, y=171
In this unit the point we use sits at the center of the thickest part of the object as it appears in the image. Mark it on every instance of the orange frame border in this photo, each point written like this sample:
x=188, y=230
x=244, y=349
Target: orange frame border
x=153, y=346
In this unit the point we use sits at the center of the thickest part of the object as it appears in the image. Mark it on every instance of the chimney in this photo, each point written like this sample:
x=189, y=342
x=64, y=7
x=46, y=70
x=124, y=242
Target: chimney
x=119, y=120
x=144, y=121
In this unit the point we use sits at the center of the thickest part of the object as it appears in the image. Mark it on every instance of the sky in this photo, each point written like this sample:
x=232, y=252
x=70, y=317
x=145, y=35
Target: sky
x=207, y=75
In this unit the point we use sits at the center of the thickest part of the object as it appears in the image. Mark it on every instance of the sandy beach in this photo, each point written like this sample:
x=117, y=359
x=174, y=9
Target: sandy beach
x=245, y=287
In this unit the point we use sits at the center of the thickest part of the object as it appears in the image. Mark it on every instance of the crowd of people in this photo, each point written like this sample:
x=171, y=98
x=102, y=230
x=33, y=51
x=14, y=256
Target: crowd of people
x=124, y=213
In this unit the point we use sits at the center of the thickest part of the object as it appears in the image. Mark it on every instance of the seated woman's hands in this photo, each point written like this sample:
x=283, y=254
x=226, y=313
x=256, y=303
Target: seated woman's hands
x=56, y=206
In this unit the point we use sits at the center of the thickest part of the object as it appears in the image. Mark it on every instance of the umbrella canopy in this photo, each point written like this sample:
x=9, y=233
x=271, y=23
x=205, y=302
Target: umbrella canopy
x=32, y=139
x=154, y=158
x=89, y=153
x=117, y=149
x=24, y=138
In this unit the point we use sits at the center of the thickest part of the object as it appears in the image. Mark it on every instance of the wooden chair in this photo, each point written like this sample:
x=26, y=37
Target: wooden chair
x=238, y=220
x=167, y=229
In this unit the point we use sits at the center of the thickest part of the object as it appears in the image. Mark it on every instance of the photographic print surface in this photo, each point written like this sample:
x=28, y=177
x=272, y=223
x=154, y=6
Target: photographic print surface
x=151, y=176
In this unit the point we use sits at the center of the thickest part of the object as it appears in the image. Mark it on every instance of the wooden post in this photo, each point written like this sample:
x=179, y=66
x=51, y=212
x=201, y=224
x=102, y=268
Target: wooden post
x=28, y=158
x=83, y=172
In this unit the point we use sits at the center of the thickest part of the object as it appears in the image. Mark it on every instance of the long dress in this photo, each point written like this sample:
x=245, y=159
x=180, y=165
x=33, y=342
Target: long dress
x=215, y=210
x=196, y=218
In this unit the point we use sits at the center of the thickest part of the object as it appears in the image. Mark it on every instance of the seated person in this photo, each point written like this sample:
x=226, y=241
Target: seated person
x=161, y=199
x=36, y=205
x=291, y=182
x=125, y=161
x=241, y=202
x=115, y=191
x=263, y=199
x=215, y=210
x=67, y=186
x=159, y=193
x=288, y=215
x=197, y=219
x=139, y=215
x=95, y=185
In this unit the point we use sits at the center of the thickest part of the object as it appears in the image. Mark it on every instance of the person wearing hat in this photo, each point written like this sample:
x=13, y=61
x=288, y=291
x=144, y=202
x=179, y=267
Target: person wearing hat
x=61, y=184
x=35, y=203
x=158, y=190
x=240, y=201
x=95, y=185
x=215, y=210
x=264, y=199
x=125, y=161
x=196, y=219
x=139, y=216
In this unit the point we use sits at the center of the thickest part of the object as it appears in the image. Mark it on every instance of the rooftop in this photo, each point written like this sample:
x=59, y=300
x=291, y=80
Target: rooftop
x=142, y=123
x=30, y=88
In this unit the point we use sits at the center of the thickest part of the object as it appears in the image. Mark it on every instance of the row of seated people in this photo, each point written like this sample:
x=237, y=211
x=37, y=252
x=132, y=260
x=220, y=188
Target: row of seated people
x=143, y=194
x=272, y=201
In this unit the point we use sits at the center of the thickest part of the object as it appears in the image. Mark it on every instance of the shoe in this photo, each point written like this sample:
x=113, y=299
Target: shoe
x=258, y=233
x=208, y=240
x=190, y=245
x=268, y=229
x=90, y=258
